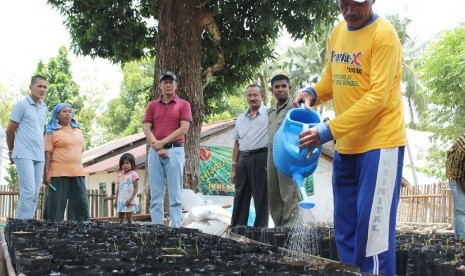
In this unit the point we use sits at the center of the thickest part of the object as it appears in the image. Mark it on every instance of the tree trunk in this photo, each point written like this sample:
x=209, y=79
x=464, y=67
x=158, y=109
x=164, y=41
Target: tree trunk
x=180, y=25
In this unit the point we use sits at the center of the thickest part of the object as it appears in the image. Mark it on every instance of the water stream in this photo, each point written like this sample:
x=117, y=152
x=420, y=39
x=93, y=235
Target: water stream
x=303, y=236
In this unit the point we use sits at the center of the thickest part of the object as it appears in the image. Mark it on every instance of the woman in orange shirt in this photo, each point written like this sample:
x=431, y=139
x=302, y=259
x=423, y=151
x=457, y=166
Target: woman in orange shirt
x=64, y=172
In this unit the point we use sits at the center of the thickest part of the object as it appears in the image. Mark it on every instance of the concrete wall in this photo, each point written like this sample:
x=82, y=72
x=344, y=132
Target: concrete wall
x=323, y=197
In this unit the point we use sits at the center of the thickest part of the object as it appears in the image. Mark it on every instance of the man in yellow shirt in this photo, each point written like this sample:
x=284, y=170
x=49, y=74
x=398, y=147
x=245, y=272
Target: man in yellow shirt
x=362, y=78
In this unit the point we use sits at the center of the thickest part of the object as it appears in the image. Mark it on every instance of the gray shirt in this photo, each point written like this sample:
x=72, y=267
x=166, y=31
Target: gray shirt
x=252, y=133
x=29, y=136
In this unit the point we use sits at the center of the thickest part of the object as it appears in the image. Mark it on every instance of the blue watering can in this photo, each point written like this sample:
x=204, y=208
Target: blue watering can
x=288, y=158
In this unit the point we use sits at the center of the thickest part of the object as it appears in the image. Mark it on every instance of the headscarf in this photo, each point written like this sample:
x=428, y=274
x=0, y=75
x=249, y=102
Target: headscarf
x=54, y=124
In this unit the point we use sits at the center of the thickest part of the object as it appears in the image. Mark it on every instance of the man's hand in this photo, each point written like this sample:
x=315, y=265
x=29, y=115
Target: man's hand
x=9, y=156
x=309, y=138
x=232, y=176
x=157, y=145
x=302, y=97
x=163, y=153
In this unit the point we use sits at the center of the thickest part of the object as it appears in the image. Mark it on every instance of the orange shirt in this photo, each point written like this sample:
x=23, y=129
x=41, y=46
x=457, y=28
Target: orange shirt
x=66, y=148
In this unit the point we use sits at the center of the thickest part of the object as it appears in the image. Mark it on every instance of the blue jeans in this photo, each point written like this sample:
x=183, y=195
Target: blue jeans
x=167, y=171
x=459, y=209
x=30, y=175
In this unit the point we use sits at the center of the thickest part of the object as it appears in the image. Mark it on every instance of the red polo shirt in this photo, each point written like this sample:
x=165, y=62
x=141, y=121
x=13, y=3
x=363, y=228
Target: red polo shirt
x=166, y=117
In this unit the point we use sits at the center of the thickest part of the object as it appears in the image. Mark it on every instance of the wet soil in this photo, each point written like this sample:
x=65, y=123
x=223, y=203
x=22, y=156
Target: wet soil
x=421, y=249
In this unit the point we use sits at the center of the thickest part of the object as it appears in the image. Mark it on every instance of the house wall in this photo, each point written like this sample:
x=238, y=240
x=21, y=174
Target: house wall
x=93, y=181
x=225, y=138
x=323, y=193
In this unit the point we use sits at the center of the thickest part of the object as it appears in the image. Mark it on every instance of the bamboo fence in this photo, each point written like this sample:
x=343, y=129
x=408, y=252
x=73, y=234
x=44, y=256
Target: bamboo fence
x=418, y=204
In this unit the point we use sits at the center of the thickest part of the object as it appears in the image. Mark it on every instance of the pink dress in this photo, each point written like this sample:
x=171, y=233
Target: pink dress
x=125, y=186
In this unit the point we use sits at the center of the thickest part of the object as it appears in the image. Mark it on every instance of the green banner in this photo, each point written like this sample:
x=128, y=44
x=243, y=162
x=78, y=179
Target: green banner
x=215, y=169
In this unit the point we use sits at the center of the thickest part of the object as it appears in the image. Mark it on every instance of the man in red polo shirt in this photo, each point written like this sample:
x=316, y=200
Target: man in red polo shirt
x=166, y=123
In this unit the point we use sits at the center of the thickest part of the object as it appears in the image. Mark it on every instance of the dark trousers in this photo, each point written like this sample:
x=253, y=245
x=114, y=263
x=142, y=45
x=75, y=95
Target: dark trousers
x=251, y=181
x=71, y=191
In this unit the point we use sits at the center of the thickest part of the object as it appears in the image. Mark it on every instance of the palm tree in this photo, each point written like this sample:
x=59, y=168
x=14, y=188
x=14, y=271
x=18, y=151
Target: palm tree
x=305, y=64
x=412, y=89
x=302, y=64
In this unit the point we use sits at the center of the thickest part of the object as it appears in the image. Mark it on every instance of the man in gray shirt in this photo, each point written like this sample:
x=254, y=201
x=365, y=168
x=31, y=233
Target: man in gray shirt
x=25, y=140
x=248, y=170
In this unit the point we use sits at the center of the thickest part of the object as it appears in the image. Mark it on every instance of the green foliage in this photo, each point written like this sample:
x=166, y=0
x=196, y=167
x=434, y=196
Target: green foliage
x=86, y=119
x=436, y=161
x=115, y=119
x=61, y=87
x=93, y=107
x=232, y=106
x=401, y=27
x=137, y=116
x=123, y=31
x=117, y=30
x=6, y=105
x=303, y=64
x=250, y=28
x=124, y=114
x=12, y=176
x=442, y=71
x=235, y=41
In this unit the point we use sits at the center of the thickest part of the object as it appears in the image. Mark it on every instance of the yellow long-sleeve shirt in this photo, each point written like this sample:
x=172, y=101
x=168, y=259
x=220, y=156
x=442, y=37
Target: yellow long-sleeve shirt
x=363, y=76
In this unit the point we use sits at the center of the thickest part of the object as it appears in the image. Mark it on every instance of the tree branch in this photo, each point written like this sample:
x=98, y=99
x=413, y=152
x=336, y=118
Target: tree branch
x=208, y=21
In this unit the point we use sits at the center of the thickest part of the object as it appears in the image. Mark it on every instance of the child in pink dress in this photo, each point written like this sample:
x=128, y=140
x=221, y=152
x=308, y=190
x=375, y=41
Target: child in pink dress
x=127, y=185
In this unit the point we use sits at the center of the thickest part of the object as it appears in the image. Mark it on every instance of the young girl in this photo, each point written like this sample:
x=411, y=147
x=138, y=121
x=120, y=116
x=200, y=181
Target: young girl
x=127, y=184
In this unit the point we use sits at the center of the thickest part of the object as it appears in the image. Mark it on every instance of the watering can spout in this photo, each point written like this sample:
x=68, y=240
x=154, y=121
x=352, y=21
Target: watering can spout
x=298, y=179
x=299, y=182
